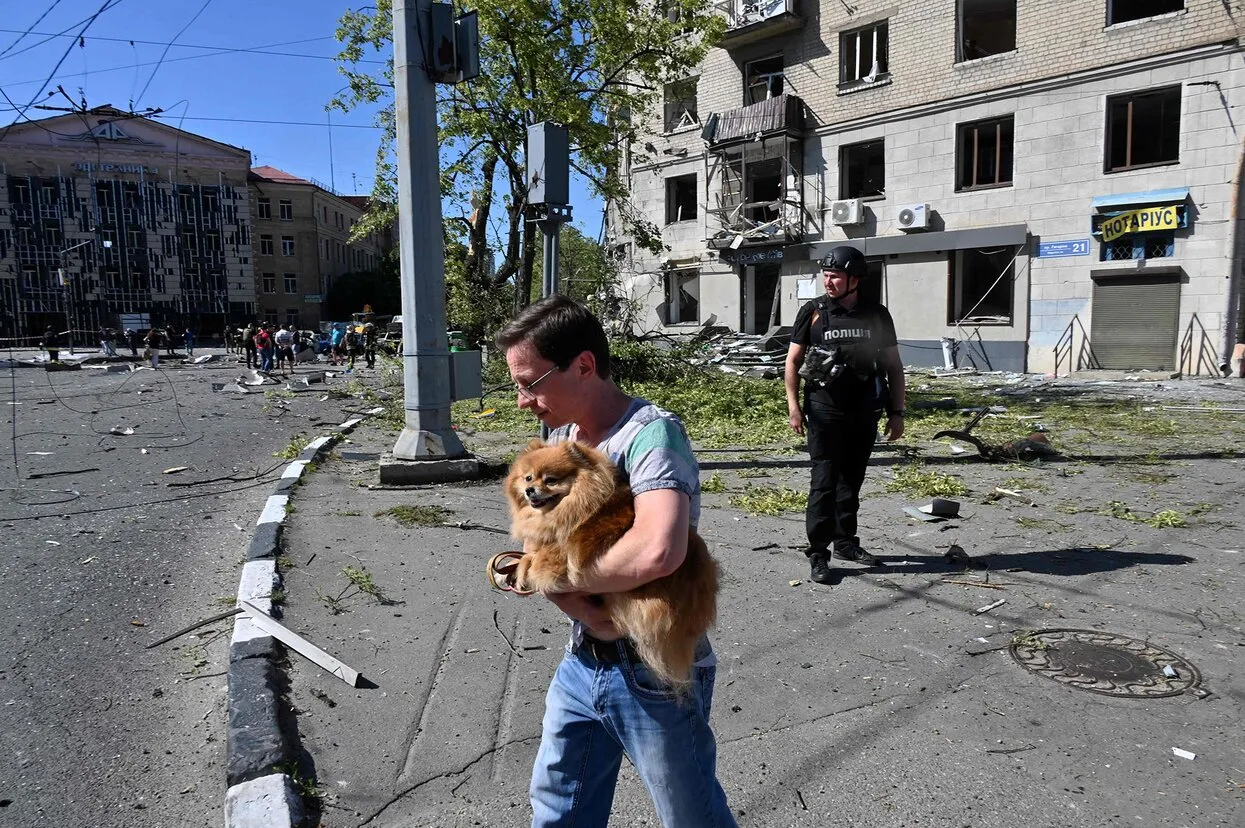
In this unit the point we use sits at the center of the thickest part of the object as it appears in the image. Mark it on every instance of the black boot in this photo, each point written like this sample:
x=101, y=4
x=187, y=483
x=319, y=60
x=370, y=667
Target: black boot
x=848, y=551
x=819, y=565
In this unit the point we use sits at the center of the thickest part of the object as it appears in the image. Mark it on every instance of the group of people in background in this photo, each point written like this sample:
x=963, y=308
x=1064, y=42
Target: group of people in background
x=267, y=346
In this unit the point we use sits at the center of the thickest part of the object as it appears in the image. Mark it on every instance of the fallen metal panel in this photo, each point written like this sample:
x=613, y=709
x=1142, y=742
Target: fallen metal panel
x=304, y=647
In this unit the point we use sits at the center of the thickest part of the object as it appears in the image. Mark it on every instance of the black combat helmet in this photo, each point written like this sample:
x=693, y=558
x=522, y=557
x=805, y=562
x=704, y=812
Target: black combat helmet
x=847, y=259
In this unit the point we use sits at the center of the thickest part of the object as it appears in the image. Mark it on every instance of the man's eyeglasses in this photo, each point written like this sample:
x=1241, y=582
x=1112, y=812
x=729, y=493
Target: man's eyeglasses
x=529, y=389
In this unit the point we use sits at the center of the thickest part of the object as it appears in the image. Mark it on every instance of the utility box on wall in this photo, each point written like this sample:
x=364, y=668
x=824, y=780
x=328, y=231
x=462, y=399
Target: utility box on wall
x=466, y=380
x=548, y=167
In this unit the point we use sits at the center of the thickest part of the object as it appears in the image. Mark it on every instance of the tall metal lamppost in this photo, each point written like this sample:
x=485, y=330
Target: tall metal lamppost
x=67, y=287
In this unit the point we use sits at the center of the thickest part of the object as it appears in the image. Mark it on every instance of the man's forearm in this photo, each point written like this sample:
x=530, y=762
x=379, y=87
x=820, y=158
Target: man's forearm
x=633, y=561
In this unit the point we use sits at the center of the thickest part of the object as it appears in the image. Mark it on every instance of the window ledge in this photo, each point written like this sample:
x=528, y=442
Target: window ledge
x=1136, y=167
x=983, y=61
x=860, y=85
x=865, y=199
x=1158, y=18
x=979, y=188
x=681, y=130
x=986, y=323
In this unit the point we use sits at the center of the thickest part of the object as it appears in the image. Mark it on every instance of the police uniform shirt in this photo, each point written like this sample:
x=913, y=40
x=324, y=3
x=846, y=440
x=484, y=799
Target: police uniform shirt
x=861, y=333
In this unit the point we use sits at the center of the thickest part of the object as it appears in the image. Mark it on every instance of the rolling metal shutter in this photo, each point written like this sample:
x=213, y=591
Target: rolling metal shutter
x=1135, y=322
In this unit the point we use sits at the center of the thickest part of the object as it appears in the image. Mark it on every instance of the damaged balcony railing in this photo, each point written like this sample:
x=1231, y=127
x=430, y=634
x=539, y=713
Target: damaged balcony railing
x=742, y=13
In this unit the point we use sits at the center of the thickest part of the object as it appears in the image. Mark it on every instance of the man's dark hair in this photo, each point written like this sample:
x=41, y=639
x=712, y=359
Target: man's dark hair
x=560, y=329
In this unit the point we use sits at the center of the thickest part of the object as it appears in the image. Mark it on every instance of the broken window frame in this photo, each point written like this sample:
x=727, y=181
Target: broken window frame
x=680, y=110
x=268, y=282
x=962, y=32
x=682, y=198
x=876, y=36
x=1129, y=7
x=729, y=184
x=290, y=282
x=770, y=81
x=846, y=190
x=972, y=144
x=287, y=245
x=675, y=283
x=1163, y=121
x=987, y=288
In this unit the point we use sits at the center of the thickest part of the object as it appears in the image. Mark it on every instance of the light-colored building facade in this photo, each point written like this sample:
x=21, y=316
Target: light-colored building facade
x=112, y=220
x=302, y=245
x=1050, y=185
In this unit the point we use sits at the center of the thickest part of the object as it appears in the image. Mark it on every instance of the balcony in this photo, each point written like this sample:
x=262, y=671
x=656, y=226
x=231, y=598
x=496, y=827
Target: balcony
x=755, y=176
x=780, y=115
x=749, y=21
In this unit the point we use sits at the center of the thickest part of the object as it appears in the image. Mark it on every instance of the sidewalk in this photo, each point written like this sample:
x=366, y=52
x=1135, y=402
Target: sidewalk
x=881, y=701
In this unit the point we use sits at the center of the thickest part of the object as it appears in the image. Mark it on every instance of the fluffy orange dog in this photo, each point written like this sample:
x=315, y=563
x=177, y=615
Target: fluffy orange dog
x=570, y=504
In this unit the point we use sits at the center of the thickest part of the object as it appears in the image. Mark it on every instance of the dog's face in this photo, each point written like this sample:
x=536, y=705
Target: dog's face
x=543, y=476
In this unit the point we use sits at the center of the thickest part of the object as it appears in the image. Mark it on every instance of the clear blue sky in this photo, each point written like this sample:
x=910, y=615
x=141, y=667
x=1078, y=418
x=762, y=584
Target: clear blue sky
x=222, y=96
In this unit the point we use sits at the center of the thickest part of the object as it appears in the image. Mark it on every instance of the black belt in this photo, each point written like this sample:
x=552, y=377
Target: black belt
x=608, y=652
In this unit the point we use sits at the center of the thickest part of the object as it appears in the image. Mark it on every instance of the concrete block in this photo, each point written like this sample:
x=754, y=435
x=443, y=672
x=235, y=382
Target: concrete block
x=256, y=744
x=395, y=472
x=265, y=541
x=268, y=802
x=261, y=646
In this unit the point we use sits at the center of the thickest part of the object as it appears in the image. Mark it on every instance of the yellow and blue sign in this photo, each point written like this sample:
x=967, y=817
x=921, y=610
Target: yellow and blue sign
x=1161, y=217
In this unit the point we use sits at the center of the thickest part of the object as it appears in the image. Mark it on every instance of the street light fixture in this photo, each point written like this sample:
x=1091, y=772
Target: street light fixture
x=65, y=281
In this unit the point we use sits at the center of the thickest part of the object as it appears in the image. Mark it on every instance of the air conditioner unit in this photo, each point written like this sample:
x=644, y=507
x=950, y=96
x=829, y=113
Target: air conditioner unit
x=914, y=217
x=848, y=211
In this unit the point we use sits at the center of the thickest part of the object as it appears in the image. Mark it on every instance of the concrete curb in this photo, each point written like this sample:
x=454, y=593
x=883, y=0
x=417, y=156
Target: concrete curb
x=261, y=793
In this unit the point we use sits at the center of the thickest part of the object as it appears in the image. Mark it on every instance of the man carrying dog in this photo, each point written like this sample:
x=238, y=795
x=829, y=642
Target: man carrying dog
x=603, y=701
x=846, y=351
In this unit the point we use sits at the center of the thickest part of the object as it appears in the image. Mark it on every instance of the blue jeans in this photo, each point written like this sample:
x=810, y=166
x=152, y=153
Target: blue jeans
x=265, y=359
x=594, y=712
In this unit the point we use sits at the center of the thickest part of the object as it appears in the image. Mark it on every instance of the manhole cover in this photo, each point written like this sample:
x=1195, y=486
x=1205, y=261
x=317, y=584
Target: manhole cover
x=1105, y=663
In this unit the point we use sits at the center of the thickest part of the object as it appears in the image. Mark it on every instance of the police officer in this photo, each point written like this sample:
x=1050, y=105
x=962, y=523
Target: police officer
x=845, y=350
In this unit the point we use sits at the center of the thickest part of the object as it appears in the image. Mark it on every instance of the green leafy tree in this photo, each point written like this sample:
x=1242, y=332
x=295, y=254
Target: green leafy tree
x=587, y=64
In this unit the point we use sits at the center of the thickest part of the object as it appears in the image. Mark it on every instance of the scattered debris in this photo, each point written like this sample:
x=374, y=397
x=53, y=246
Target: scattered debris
x=175, y=470
x=53, y=543
x=88, y=560
x=38, y=475
x=121, y=431
x=988, y=607
x=1000, y=491
x=794, y=582
x=765, y=546
x=1170, y=671
x=981, y=584
x=941, y=507
x=218, y=617
x=296, y=642
x=1184, y=754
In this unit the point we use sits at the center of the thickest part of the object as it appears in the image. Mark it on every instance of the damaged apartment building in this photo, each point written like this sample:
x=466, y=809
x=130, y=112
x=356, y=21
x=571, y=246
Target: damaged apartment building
x=111, y=220
x=1037, y=186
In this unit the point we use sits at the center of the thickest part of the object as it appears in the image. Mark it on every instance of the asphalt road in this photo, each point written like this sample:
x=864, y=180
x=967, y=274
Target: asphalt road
x=105, y=553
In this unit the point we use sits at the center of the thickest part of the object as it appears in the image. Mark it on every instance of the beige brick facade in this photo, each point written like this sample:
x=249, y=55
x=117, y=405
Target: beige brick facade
x=1055, y=90
x=302, y=245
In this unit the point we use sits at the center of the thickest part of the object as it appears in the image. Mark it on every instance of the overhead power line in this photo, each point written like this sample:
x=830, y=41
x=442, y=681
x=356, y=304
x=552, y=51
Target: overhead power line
x=223, y=50
x=22, y=35
x=284, y=123
x=168, y=46
x=108, y=4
